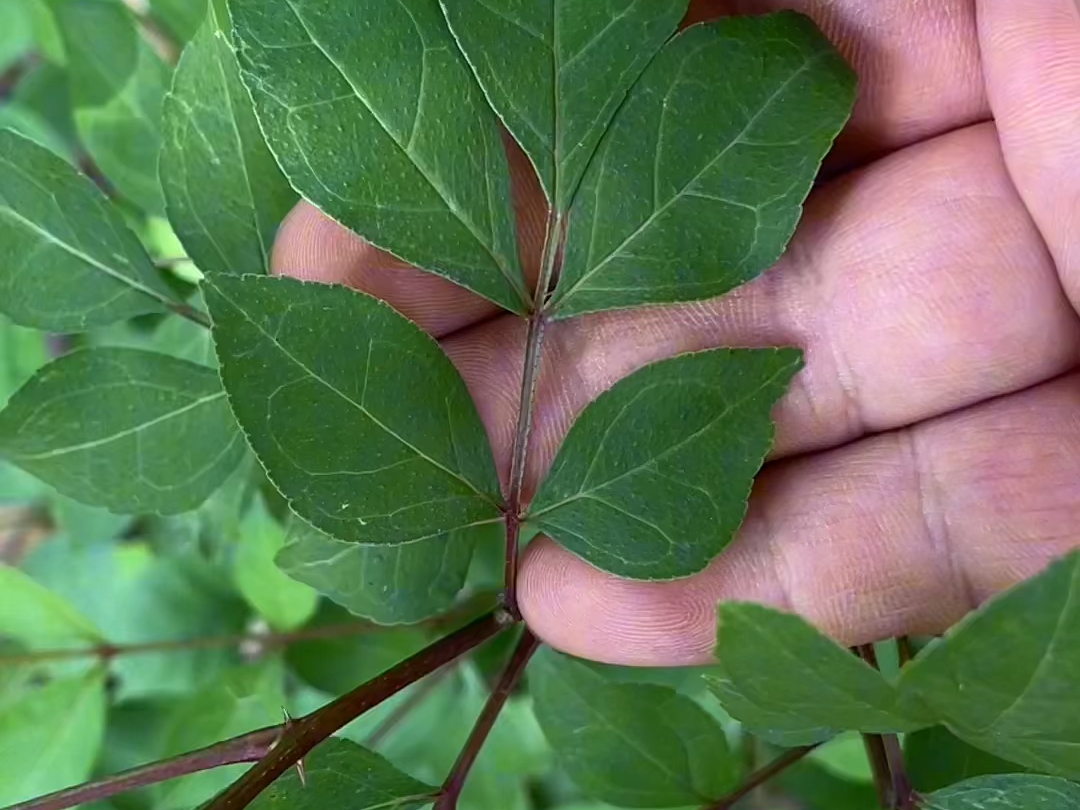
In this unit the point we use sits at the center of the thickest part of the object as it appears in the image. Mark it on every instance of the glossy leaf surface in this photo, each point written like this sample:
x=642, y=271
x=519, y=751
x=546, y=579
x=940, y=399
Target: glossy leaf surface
x=225, y=195
x=397, y=453
x=375, y=117
x=133, y=431
x=700, y=180
x=67, y=260
x=556, y=71
x=653, y=477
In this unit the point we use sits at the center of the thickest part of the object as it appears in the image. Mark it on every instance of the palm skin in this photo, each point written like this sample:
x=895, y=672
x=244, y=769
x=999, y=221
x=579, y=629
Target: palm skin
x=929, y=454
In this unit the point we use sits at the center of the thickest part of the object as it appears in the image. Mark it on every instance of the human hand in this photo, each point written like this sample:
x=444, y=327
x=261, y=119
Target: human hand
x=929, y=454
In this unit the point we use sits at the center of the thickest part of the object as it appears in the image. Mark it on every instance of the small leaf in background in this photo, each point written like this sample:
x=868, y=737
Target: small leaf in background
x=243, y=700
x=343, y=774
x=40, y=108
x=131, y=431
x=337, y=665
x=653, y=477
x=845, y=755
x=85, y=524
x=375, y=117
x=283, y=602
x=935, y=758
x=224, y=193
x=386, y=584
x=135, y=596
x=395, y=453
x=1014, y=792
x=556, y=71
x=16, y=32
x=785, y=666
x=181, y=17
x=117, y=85
x=816, y=787
x=50, y=738
x=38, y=618
x=67, y=261
x=700, y=180
x=634, y=745
x=22, y=352
x=46, y=33
x=1005, y=678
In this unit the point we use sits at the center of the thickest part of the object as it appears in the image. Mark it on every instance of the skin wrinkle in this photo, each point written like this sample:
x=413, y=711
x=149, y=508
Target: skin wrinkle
x=927, y=277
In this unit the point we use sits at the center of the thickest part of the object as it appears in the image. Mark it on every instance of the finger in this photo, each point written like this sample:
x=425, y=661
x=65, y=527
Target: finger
x=314, y=247
x=901, y=319
x=917, y=63
x=1031, y=56
x=897, y=534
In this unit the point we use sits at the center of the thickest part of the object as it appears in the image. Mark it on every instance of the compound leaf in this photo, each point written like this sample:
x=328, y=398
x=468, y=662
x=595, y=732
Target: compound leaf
x=224, y=193
x=556, y=71
x=386, y=584
x=132, y=431
x=117, y=85
x=343, y=774
x=50, y=737
x=782, y=665
x=1004, y=679
x=1013, y=792
x=68, y=261
x=700, y=180
x=359, y=418
x=375, y=117
x=653, y=477
x=631, y=744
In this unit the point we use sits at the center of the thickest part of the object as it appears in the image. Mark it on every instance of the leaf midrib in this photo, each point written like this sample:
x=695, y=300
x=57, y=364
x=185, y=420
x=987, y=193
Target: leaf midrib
x=361, y=408
x=657, y=212
x=737, y=403
x=123, y=434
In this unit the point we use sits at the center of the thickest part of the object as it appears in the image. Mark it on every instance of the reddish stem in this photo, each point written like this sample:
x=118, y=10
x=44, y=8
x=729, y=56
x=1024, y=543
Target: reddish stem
x=761, y=776
x=515, y=668
x=303, y=734
x=248, y=748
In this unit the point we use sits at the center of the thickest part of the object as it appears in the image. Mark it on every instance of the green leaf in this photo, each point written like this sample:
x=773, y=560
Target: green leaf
x=245, y=699
x=342, y=774
x=40, y=108
x=46, y=33
x=224, y=193
x=386, y=584
x=67, y=261
x=376, y=118
x=1004, y=679
x=283, y=602
x=653, y=477
x=16, y=32
x=50, y=738
x=117, y=85
x=700, y=180
x=22, y=352
x=818, y=788
x=1015, y=792
x=38, y=618
x=778, y=727
x=782, y=665
x=181, y=17
x=132, y=431
x=368, y=469
x=936, y=758
x=634, y=745
x=556, y=71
